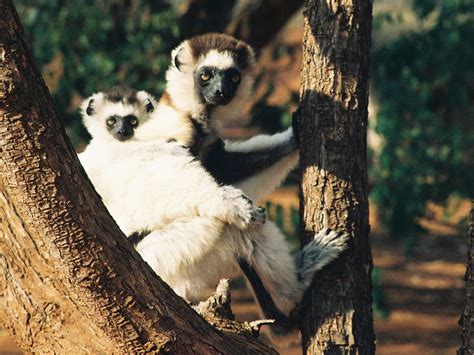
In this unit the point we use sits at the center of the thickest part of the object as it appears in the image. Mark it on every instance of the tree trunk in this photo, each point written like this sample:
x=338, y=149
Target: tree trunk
x=467, y=322
x=69, y=279
x=334, y=93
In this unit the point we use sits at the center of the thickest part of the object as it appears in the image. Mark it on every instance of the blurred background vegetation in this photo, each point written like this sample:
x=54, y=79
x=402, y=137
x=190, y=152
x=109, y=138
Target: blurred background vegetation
x=422, y=80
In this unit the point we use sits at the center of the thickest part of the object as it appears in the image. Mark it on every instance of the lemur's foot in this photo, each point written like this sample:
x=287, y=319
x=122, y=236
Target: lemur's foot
x=326, y=246
x=332, y=240
x=259, y=216
x=243, y=213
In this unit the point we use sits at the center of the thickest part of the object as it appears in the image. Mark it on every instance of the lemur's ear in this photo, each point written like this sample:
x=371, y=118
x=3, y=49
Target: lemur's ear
x=175, y=57
x=90, y=108
x=149, y=107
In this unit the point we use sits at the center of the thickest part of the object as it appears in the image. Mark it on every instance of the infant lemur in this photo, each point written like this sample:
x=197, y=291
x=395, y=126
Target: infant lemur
x=208, y=82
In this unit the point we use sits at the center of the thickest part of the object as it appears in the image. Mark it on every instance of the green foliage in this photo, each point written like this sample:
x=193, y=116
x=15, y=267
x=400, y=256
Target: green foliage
x=97, y=44
x=424, y=81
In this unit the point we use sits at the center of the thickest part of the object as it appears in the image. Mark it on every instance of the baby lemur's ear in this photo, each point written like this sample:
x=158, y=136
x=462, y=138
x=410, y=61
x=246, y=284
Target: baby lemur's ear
x=89, y=105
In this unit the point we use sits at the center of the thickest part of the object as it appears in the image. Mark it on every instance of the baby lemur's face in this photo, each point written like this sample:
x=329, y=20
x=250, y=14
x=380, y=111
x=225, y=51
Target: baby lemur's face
x=117, y=113
x=121, y=127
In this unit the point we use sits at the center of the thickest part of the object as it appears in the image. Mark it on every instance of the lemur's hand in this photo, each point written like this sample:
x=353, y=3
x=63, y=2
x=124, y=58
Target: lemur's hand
x=243, y=213
x=295, y=123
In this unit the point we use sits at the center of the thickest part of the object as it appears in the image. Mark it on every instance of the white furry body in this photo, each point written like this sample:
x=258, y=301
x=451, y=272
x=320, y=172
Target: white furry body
x=162, y=189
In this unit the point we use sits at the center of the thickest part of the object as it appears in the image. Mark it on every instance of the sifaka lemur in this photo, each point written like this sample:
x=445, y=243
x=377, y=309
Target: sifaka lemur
x=207, y=84
x=144, y=182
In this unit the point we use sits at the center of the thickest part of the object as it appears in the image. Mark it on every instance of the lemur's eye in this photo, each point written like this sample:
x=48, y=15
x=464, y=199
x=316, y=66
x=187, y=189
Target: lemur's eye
x=133, y=121
x=205, y=76
x=235, y=78
x=111, y=121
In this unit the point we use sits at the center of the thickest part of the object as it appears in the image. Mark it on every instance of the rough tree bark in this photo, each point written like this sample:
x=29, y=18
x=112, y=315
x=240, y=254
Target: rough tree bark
x=337, y=314
x=69, y=279
x=467, y=318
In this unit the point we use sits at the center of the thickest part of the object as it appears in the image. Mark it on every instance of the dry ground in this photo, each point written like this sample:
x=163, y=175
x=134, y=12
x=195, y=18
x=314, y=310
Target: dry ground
x=424, y=294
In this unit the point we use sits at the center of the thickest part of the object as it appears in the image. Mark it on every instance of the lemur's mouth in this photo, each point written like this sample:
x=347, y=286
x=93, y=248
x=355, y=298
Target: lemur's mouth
x=218, y=100
x=122, y=138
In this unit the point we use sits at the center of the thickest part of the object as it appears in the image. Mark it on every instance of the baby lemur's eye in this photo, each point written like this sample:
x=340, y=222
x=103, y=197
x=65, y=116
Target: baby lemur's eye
x=111, y=121
x=132, y=120
x=205, y=76
x=235, y=78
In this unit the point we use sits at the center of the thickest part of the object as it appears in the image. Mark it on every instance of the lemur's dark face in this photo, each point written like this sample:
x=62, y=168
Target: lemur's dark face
x=216, y=86
x=119, y=111
x=122, y=127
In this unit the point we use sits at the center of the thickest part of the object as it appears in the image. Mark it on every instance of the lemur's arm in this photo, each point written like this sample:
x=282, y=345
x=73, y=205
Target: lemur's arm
x=257, y=165
x=234, y=162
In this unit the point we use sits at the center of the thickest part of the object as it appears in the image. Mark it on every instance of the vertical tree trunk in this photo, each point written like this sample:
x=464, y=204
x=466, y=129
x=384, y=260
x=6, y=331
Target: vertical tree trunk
x=334, y=93
x=70, y=282
x=467, y=319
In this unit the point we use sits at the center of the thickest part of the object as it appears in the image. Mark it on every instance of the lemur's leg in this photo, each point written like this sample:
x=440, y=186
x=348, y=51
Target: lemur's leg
x=180, y=243
x=264, y=299
x=271, y=258
x=184, y=255
x=183, y=241
x=275, y=279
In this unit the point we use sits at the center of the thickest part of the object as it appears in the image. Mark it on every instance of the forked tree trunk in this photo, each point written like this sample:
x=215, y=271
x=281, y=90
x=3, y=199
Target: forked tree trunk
x=467, y=317
x=334, y=92
x=69, y=280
